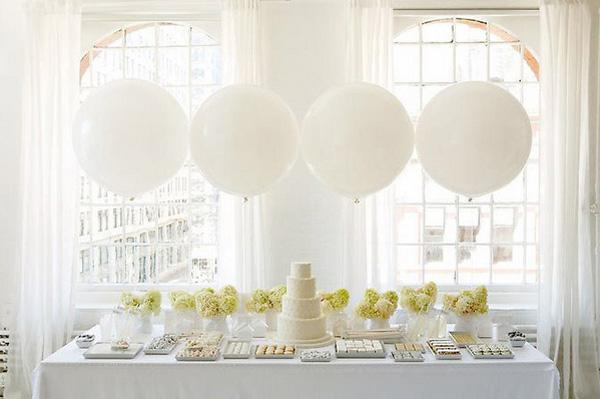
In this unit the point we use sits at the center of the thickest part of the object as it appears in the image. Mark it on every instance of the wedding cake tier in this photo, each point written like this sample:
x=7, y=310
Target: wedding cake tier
x=301, y=321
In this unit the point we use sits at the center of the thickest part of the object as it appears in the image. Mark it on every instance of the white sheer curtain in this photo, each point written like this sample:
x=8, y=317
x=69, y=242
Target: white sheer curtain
x=49, y=177
x=369, y=250
x=241, y=252
x=566, y=330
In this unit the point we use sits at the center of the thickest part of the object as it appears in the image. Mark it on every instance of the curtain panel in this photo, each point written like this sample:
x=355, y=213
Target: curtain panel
x=566, y=327
x=48, y=182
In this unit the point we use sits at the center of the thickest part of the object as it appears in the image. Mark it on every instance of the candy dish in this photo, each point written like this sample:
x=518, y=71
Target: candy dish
x=444, y=349
x=407, y=356
x=462, y=339
x=315, y=356
x=359, y=348
x=162, y=345
x=490, y=351
x=84, y=341
x=104, y=350
x=410, y=347
x=517, y=339
x=237, y=349
x=207, y=353
x=280, y=351
x=120, y=345
x=211, y=338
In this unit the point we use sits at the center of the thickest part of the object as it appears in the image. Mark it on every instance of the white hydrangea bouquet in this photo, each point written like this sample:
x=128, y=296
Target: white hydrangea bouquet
x=418, y=302
x=468, y=305
x=182, y=301
x=378, y=308
x=333, y=305
x=143, y=306
x=267, y=302
x=216, y=306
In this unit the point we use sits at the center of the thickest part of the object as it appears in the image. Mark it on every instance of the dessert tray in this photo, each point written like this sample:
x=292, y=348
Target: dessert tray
x=386, y=335
x=315, y=356
x=462, y=339
x=162, y=345
x=490, y=351
x=213, y=338
x=410, y=347
x=407, y=356
x=444, y=349
x=238, y=349
x=207, y=353
x=359, y=348
x=104, y=350
x=517, y=339
x=280, y=351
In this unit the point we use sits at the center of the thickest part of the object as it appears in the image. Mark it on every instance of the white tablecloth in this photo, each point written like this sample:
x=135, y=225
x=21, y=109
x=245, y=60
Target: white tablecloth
x=66, y=374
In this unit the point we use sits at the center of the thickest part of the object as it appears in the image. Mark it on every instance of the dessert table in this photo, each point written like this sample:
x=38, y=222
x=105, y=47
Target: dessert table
x=66, y=374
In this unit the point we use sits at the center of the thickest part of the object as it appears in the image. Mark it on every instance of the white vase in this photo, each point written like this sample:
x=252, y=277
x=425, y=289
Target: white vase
x=145, y=326
x=271, y=320
x=486, y=327
x=417, y=326
x=469, y=324
x=217, y=323
x=378, y=324
x=438, y=325
x=337, y=323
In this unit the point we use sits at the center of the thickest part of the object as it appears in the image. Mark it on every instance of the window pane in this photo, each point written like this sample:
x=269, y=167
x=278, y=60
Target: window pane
x=108, y=65
x=468, y=30
x=206, y=65
x=410, y=35
x=474, y=224
x=430, y=91
x=505, y=62
x=140, y=262
x=507, y=264
x=531, y=98
x=173, y=35
x=440, y=224
x=406, y=63
x=140, y=63
x=533, y=221
x=435, y=55
x=199, y=94
x=532, y=264
x=471, y=62
x=203, y=266
x=437, y=31
x=513, y=192
x=533, y=183
x=181, y=94
x=140, y=36
x=409, y=265
x=508, y=224
x=409, y=223
x=173, y=66
x=439, y=263
x=473, y=264
x=200, y=38
x=436, y=193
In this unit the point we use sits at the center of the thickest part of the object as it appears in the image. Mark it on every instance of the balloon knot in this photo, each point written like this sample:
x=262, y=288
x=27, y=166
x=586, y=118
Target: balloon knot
x=245, y=199
x=356, y=201
x=470, y=200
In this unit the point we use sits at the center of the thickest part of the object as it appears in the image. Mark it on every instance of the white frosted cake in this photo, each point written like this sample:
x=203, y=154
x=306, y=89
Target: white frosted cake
x=301, y=321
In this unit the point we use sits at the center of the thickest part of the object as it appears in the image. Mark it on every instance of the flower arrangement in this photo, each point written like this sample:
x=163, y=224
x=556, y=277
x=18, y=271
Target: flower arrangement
x=467, y=302
x=334, y=301
x=262, y=301
x=145, y=304
x=182, y=301
x=377, y=306
x=419, y=300
x=211, y=303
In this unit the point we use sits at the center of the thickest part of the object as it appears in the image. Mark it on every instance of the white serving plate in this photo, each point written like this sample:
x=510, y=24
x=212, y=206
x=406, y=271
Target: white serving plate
x=165, y=351
x=265, y=356
x=103, y=350
x=241, y=355
x=418, y=357
x=197, y=359
x=316, y=360
x=490, y=357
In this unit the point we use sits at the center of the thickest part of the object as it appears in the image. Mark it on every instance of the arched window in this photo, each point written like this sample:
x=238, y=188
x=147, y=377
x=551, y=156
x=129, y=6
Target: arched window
x=168, y=235
x=442, y=236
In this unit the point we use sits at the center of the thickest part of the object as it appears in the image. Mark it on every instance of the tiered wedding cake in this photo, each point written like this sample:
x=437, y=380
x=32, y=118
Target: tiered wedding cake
x=301, y=321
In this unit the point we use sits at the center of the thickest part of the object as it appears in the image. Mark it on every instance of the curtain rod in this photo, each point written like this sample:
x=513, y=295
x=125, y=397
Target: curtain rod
x=525, y=11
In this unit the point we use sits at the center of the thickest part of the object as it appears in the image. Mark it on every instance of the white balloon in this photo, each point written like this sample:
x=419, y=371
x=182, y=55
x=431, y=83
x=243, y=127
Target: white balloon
x=357, y=138
x=244, y=139
x=130, y=136
x=473, y=138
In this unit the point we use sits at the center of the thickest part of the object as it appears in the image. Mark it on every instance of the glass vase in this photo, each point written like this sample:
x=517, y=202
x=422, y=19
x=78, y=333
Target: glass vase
x=417, y=326
x=467, y=323
x=337, y=323
x=438, y=325
x=217, y=323
x=271, y=321
x=378, y=324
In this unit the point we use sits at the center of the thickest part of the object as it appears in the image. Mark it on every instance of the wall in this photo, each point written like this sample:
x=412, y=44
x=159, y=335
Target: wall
x=11, y=34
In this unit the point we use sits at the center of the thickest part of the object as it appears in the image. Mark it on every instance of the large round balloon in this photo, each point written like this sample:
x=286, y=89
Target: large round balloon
x=357, y=138
x=244, y=139
x=130, y=136
x=473, y=138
